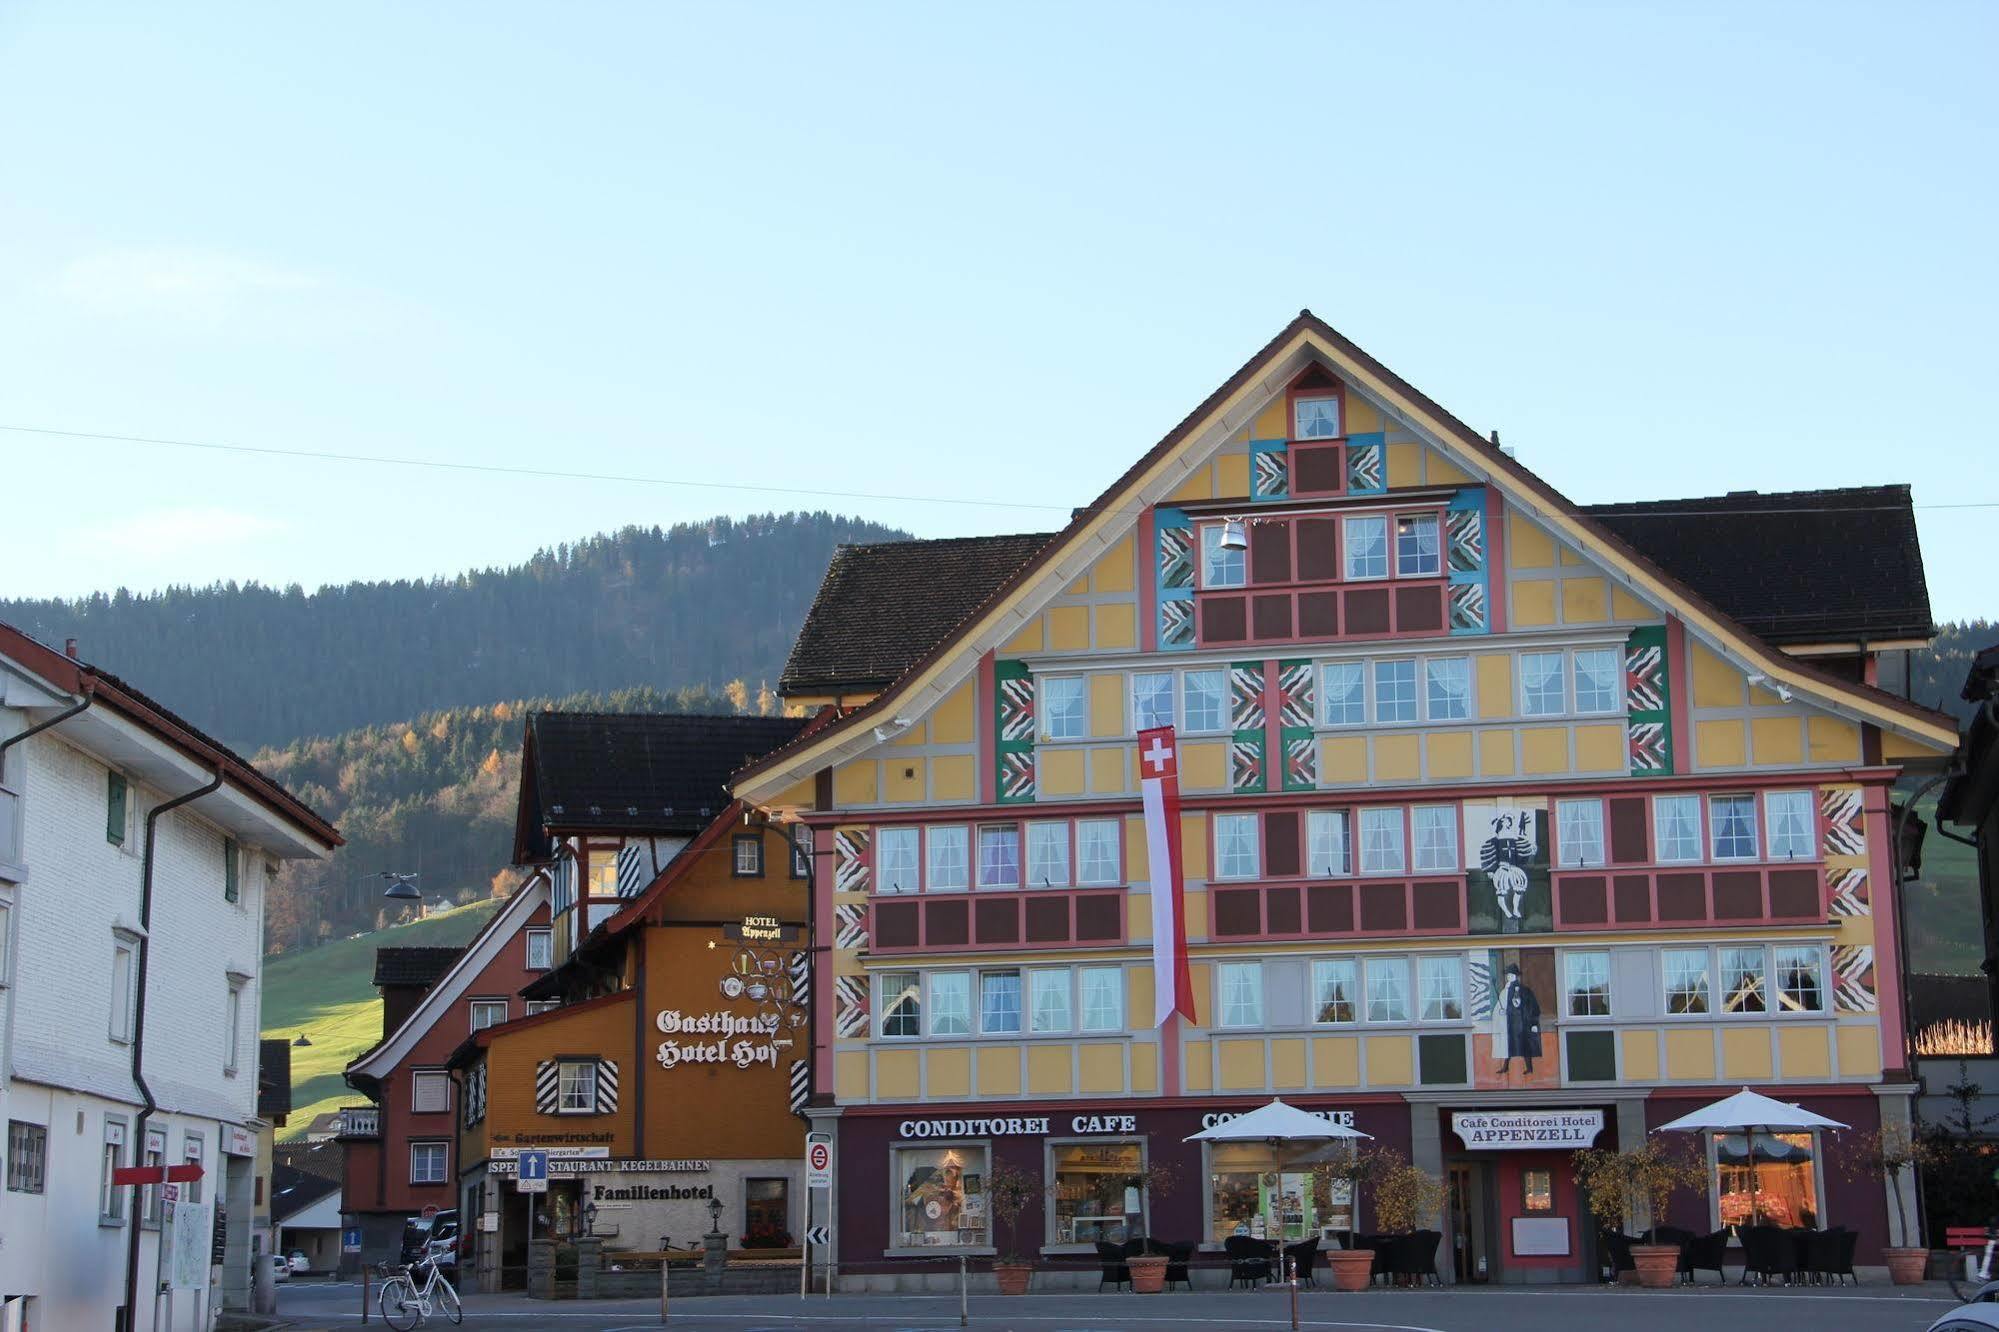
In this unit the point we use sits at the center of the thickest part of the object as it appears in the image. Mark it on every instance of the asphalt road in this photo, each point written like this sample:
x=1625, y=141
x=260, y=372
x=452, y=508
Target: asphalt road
x=1709, y=1309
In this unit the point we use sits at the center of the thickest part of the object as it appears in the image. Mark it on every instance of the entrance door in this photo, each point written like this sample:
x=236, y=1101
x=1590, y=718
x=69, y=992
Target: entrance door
x=1468, y=1202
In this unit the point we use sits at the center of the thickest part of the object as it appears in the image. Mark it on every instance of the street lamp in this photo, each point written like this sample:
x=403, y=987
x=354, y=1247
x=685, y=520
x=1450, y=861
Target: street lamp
x=714, y=1216
x=402, y=887
x=301, y=1043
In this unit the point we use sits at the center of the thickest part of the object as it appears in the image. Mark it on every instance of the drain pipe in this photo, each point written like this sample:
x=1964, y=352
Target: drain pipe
x=149, y=1105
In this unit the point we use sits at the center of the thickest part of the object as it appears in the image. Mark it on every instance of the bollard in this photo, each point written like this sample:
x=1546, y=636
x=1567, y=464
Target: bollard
x=964, y=1300
x=1291, y=1267
x=664, y=1268
x=364, y=1292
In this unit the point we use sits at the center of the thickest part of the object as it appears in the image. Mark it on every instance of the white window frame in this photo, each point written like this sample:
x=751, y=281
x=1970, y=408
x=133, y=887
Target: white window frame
x=1086, y=875
x=1384, y=816
x=443, y=1156
x=232, y=1023
x=1577, y=850
x=538, y=939
x=1338, y=823
x=1707, y=978
x=1239, y=995
x=1221, y=695
x=111, y=1157
x=1348, y=563
x=1714, y=828
x=1020, y=1019
x=1221, y=568
x=572, y=1075
x=1806, y=820
x=1085, y=977
x=1776, y=986
x=1613, y=699
x=1000, y=828
x=1042, y=836
x=944, y=834
x=1466, y=702
x=1414, y=568
x=1154, y=691
x=1571, y=990
x=1660, y=804
x=437, y=1078
x=886, y=996
x=476, y=1006
x=1231, y=867
x=1045, y=715
x=908, y=877
x=1298, y=405
x=1050, y=982
x=1427, y=858
x=193, y=1151
x=1326, y=717
x=533, y=1007
x=746, y=856
x=1723, y=974
x=1414, y=701
x=124, y=984
x=932, y=1010
x=6, y=940
x=1323, y=969
x=1449, y=967
x=1530, y=704
x=1388, y=968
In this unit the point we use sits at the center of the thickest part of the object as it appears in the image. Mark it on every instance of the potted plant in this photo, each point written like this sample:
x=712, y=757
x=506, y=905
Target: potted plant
x=1148, y=1270
x=1886, y=1154
x=1618, y=1183
x=1405, y=1197
x=1356, y=1167
x=1009, y=1190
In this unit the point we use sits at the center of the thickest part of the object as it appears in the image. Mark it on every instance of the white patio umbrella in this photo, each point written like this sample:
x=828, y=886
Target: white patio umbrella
x=1749, y=1113
x=1279, y=1126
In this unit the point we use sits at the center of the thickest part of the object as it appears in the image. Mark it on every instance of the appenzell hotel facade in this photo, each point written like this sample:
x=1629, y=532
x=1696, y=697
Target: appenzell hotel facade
x=1508, y=827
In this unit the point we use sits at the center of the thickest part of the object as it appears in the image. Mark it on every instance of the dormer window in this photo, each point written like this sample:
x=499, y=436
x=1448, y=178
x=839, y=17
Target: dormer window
x=1316, y=418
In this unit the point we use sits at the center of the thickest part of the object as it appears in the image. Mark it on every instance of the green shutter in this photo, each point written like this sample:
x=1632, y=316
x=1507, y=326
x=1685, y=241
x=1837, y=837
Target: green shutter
x=229, y=859
x=114, y=808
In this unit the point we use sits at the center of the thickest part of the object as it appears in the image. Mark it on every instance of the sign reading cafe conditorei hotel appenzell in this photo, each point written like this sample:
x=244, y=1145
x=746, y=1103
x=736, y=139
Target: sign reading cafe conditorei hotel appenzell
x=1526, y=1130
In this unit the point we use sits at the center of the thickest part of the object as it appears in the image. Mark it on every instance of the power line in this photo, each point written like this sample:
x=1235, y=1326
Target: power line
x=1641, y=509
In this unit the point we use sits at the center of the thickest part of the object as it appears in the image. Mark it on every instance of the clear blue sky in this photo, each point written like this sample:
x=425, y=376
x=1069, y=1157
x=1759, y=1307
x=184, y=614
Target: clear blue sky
x=969, y=252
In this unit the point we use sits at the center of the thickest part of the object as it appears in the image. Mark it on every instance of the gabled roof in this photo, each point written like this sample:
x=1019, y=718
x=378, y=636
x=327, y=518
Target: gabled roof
x=1308, y=340
x=882, y=606
x=632, y=773
x=1801, y=566
x=414, y=966
x=293, y=1190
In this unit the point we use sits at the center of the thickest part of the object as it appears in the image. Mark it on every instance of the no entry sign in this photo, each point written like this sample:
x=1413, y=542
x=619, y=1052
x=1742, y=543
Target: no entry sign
x=819, y=1161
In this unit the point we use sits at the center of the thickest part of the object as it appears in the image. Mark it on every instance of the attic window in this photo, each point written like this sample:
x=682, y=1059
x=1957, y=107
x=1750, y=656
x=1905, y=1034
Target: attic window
x=1316, y=418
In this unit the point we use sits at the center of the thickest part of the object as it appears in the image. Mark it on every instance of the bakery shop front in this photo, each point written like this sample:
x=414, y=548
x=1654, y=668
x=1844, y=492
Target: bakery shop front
x=1513, y=1212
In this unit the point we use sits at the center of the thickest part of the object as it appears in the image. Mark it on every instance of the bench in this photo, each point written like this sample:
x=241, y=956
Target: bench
x=1964, y=1237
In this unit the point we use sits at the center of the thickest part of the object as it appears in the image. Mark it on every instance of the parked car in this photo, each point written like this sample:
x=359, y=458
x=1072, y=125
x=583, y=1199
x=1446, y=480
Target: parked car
x=297, y=1260
x=280, y=1269
x=431, y=1237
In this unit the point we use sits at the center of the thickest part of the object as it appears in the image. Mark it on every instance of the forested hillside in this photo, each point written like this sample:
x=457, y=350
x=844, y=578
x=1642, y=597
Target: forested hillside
x=433, y=796
x=1939, y=672
x=694, y=604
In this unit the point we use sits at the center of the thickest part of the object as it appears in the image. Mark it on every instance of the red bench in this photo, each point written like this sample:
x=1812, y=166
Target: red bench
x=1964, y=1237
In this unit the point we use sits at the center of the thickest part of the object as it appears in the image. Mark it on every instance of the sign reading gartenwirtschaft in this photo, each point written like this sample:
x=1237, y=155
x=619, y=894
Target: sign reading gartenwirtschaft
x=1526, y=1130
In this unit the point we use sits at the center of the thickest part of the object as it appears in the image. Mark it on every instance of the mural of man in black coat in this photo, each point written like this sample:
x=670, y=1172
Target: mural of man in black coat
x=1516, y=1023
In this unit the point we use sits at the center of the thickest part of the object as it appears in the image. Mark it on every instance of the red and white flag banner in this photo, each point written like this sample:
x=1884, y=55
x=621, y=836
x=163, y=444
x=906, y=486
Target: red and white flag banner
x=1159, y=782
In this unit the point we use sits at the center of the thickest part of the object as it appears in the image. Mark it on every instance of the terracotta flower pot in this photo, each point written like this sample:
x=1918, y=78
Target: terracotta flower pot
x=1907, y=1267
x=1657, y=1264
x=1351, y=1267
x=1148, y=1274
x=1013, y=1277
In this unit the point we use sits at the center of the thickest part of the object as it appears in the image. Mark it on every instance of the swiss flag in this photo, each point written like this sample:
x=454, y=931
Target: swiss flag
x=1159, y=783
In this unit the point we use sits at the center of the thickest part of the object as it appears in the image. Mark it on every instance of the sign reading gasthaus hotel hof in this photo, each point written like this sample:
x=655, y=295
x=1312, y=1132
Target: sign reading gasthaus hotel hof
x=1526, y=1130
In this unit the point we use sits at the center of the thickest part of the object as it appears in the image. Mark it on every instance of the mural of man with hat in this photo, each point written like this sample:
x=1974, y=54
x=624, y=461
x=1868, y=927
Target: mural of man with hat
x=1516, y=1022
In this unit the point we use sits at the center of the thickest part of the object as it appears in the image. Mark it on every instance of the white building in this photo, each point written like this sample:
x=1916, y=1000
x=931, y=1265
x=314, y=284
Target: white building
x=134, y=852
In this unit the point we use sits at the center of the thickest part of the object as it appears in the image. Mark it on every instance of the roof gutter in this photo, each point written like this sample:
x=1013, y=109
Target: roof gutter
x=89, y=697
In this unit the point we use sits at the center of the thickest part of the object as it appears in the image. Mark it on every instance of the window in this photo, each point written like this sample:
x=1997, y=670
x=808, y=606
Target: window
x=6, y=941
x=895, y=860
x=1099, y=1193
x=1048, y=855
x=1440, y=988
x=110, y=1194
x=116, y=793
x=1447, y=688
x=1062, y=707
x=27, y=1157
x=1732, y=822
x=1328, y=843
x=534, y=1006
x=1206, y=699
x=1416, y=545
x=1097, y=851
x=488, y=1013
x=1366, y=547
x=1103, y=998
x=999, y=855
x=124, y=962
x=427, y=1162
x=1239, y=1198
x=766, y=1207
x=899, y=1003
x=1220, y=565
x=1394, y=691
x=232, y=867
x=1537, y=1190
x=1541, y=692
x=748, y=862
x=576, y=1087
x=191, y=1153
x=1241, y=985
x=1151, y=699
x=232, y=1025
x=1048, y=1000
x=1387, y=989
x=951, y=1003
x=1741, y=974
x=950, y=854
x=1599, y=672
x=1783, y=1190
x=1677, y=823
x=1686, y=979
x=1788, y=816
x=941, y=1196
x=1579, y=832
x=149, y=1195
x=1586, y=984
x=999, y=1003
x=801, y=853
x=1381, y=841
x=1436, y=837
x=1316, y=418
x=1800, y=979
x=540, y=949
x=1235, y=846
x=1343, y=685
x=430, y=1091
x=1335, y=989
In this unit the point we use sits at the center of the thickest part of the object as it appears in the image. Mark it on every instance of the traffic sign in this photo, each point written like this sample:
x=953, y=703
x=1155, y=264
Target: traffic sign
x=531, y=1172
x=818, y=1236
x=350, y=1240
x=818, y=1160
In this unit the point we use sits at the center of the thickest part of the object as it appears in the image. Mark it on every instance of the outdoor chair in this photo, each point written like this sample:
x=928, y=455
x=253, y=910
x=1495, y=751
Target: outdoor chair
x=1249, y=1260
x=1179, y=1259
x=1849, y=1241
x=1614, y=1253
x=1304, y=1257
x=1704, y=1253
x=1423, y=1246
x=1115, y=1271
x=1829, y=1254
x=1767, y=1252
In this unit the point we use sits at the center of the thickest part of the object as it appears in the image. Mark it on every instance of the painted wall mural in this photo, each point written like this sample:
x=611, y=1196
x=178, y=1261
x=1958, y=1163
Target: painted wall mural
x=1013, y=687
x=1507, y=888
x=1174, y=564
x=1843, y=843
x=1465, y=558
x=1648, y=702
x=1246, y=722
x=1512, y=999
x=1297, y=710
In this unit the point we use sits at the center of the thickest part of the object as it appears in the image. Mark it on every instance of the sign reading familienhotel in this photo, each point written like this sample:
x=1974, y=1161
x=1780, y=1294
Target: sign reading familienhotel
x=1524, y=1130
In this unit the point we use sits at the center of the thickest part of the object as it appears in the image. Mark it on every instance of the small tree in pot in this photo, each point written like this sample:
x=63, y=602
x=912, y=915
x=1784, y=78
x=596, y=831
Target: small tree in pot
x=1887, y=1154
x=1358, y=1168
x=1009, y=1190
x=1148, y=1270
x=1618, y=1183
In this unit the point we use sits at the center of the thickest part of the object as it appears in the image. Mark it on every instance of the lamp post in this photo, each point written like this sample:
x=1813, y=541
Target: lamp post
x=714, y=1216
x=402, y=887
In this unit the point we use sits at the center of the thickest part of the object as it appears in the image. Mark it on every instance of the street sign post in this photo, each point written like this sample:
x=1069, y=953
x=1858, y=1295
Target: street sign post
x=531, y=1172
x=818, y=1160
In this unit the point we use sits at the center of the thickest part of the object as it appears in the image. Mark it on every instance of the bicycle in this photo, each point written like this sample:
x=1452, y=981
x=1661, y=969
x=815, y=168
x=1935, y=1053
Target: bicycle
x=1983, y=1283
x=405, y=1304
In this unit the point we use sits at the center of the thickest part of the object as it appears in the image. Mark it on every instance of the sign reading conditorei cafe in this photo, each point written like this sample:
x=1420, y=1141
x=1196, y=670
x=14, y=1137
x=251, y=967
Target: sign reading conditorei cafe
x=1526, y=1130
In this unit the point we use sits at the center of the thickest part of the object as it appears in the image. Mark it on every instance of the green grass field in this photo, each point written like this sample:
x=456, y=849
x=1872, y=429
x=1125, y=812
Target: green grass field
x=1941, y=908
x=326, y=993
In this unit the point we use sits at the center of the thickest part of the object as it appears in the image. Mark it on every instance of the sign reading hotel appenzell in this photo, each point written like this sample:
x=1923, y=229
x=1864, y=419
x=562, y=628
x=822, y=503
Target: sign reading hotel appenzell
x=760, y=930
x=1526, y=1130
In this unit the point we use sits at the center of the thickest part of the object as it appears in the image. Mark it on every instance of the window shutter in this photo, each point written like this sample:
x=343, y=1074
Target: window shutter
x=230, y=860
x=607, y=1087
x=545, y=1087
x=114, y=808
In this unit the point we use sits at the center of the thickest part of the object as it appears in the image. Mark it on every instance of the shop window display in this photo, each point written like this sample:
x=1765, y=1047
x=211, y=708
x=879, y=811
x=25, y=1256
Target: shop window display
x=1784, y=1188
x=943, y=1197
x=1099, y=1192
x=1240, y=1197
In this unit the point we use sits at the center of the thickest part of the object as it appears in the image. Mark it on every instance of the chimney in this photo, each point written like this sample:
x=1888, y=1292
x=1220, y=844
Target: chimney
x=69, y=648
x=1506, y=449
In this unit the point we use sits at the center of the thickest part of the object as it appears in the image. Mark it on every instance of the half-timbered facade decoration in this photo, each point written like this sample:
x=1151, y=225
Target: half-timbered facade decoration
x=1491, y=805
